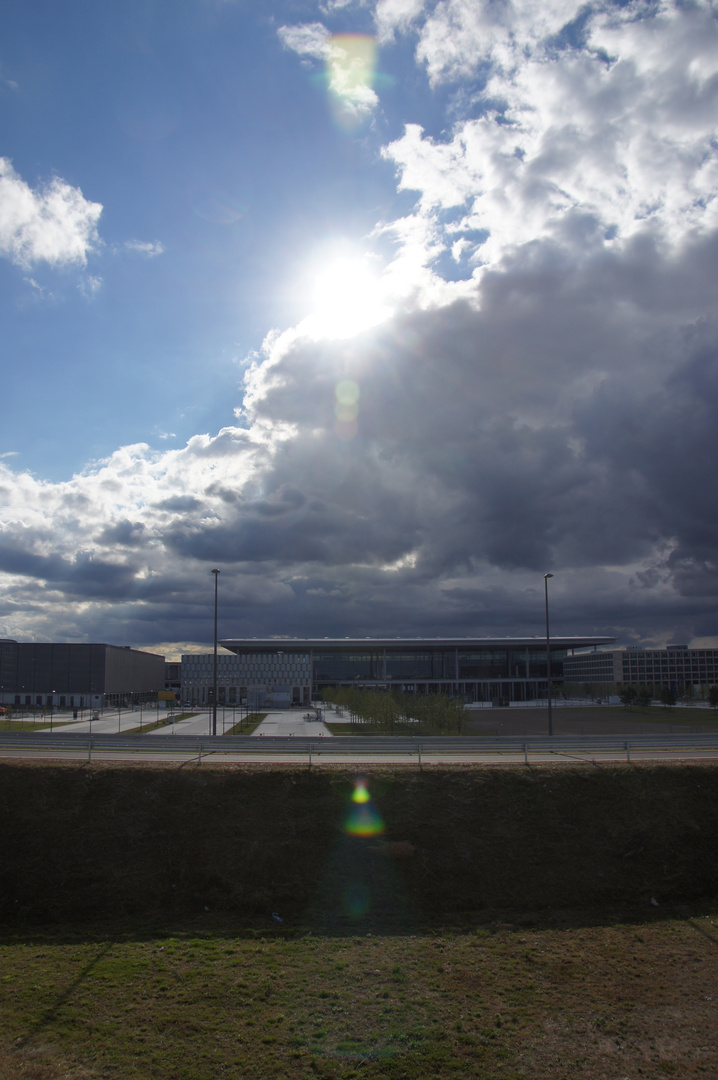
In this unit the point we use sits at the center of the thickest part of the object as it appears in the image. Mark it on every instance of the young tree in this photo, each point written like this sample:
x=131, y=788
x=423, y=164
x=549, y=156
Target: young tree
x=667, y=697
x=645, y=695
x=627, y=694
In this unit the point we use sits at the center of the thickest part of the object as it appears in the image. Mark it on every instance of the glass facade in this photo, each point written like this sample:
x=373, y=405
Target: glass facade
x=476, y=669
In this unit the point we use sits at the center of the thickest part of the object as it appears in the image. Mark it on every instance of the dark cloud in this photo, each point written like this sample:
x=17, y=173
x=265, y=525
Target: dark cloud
x=563, y=418
x=124, y=533
x=180, y=504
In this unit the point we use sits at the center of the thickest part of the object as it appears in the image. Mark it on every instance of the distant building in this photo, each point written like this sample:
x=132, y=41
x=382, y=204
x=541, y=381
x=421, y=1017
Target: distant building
x=677, y=665
x=173, y=677
x=264, y=678
x=475, y=669
x=74, y=675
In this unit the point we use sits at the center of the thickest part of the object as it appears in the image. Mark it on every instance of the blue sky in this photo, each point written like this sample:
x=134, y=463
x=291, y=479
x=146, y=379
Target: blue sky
x=200, y=134
x=384, y=307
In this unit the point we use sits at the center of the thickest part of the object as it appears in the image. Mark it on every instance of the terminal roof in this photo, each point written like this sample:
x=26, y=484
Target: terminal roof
x=339, y=645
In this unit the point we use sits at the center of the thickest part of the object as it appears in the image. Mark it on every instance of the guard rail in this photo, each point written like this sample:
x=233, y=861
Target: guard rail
x=346, y=746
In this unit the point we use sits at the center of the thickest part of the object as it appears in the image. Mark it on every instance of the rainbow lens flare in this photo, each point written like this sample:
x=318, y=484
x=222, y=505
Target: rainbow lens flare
x=361, y=794
x=363, y=819
x=357, y=900
x=351, y=66
x=347, y=407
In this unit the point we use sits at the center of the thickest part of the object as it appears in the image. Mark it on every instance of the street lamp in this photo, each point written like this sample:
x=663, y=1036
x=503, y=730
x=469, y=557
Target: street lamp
x=214, y=679
x=548, y=655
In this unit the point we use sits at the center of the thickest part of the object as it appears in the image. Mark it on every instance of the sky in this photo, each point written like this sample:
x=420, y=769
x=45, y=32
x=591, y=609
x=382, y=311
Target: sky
x=384, y=308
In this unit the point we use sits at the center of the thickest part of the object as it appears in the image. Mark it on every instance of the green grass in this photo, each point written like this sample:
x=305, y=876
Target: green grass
x=504, y=1002
x=31, y=725
x=417, y=730
x=246, y=726
x=155, y=725
x=676, y=714
x=477, y=721
x=499, y=924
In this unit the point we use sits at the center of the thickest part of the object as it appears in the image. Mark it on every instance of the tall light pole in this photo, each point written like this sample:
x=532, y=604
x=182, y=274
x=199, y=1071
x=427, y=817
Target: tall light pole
x=548, y=655
x=214, y=678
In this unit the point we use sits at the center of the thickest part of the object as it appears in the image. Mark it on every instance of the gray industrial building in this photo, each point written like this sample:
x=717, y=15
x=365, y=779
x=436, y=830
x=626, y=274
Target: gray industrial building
x=71, y=675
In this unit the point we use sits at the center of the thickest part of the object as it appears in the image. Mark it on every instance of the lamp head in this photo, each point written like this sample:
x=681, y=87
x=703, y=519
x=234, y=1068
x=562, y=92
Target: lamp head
x=547, y=576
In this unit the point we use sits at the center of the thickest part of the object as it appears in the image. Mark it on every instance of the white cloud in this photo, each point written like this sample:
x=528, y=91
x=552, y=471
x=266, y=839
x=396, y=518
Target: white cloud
x=350, y=61
x=308, y=39
x=328, y=7
x=460, y=35
x=147, y=248
x=90, y=285
x=571, y=135
x=53, y=224
x=391, y=15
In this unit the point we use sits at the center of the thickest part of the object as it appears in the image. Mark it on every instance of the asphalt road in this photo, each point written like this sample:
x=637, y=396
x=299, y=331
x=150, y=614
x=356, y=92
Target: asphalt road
x=334, y=756
x=292, y=723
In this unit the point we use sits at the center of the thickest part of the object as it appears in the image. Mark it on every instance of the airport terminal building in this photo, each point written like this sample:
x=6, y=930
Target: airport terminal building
x=475, y=669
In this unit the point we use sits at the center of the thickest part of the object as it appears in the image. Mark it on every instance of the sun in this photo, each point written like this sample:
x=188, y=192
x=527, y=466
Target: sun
x=345, y=298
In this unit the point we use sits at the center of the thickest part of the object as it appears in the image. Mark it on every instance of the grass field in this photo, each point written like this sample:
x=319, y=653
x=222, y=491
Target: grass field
x=595, y=719
x=247, y=725
x=155, y=725
x=504, y=1001
x=257, y=922
x=31, y=725
x=567, y=720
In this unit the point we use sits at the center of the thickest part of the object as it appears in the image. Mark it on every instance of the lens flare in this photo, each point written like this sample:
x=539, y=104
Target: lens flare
x=357, y=900
x=346, y=430
x=346, y=409
x=351, y=67
x=218, y=208
x=347, y=393
x=360, y=794
x=363, y=819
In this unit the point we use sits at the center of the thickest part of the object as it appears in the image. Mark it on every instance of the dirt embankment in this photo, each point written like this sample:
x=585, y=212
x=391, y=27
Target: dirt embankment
x=101, y=842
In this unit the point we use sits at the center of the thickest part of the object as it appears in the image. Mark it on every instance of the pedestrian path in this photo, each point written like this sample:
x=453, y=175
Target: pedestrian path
x=279, y=722
x=108, y=723
x=291, y=722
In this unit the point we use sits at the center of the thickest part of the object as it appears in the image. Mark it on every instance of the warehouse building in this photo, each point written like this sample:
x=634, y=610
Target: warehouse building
x=63, y=675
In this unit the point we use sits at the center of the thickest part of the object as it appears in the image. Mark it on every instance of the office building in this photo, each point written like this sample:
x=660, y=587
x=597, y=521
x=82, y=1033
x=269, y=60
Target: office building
x=675, y=666
x=264, y=677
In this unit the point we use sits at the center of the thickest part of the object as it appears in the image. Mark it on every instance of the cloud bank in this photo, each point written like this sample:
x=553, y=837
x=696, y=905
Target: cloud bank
x=544, y=397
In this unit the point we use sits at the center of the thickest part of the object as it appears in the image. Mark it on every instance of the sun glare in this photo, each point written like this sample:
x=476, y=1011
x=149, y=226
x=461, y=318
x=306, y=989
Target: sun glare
x=346, y=299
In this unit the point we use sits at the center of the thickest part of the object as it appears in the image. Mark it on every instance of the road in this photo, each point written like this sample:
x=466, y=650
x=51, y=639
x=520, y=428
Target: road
x=183, y=750
x=289, y=737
